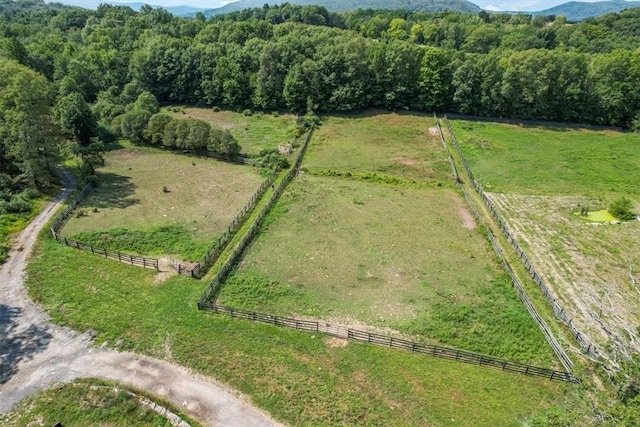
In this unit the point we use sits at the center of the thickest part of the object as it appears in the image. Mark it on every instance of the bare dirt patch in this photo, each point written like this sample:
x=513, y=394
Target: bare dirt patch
x=406, y=161
x=334, y=342
x=467, y=219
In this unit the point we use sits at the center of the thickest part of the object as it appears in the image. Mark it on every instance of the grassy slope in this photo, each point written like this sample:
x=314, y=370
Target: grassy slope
x=204, y=196
x=331, y=252
x=297, y=377
x=86, y=402
x=387, y=144
x=253, y=133
x=540, y=160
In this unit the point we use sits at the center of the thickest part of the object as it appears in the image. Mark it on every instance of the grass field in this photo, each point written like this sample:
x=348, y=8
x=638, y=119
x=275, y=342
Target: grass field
x=553, y=161
x=378, y=146
x=86, y=402
x=203, y=196
x=540, y=178
x=300, y=378
x=254, y=133
x=331, y=251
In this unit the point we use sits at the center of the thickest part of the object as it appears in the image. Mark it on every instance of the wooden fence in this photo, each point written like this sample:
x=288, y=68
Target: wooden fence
x=61, y=220
x=137, y=261
x=557, y=348
x=586, y=345
x=203, y=266
x=393, y=342
x=212, y=291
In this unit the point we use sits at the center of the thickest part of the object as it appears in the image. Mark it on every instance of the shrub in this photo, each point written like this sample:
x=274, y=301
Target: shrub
x=621, y=209
x=18, y=205
x=165, y=189
x=216, y=109
x=247, y=112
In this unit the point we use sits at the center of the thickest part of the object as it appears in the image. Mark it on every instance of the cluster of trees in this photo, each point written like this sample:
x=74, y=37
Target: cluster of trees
x=191, y=134
x=291, y=56
x=106, y=71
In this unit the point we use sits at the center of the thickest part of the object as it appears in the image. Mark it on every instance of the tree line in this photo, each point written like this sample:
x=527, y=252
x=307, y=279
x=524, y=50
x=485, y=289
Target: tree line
x=105, y=72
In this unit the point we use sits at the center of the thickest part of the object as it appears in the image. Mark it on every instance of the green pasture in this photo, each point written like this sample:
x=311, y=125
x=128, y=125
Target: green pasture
x=527, y=159
x=300, y=378
x=130, y=210
x=254, y=133
x=409, y=259
x=87, y=402
x=379, y=146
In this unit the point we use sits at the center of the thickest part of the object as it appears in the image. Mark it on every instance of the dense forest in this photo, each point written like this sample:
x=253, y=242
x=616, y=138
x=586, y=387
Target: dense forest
x=70, y=74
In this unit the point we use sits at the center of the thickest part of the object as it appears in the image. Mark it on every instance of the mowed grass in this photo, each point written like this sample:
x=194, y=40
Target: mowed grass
x=203, y=196
x=410, y=259
x=86, y=402
x=300, y=378
x=547, y=160
x=254, y=133
x=377, y=145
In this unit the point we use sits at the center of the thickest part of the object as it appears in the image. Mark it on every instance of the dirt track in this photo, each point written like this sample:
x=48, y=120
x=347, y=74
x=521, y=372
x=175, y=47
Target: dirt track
x=34, y=353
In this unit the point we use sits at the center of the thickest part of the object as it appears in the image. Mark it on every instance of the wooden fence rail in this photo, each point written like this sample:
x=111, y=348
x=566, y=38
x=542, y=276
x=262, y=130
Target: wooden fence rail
x=586, y=345
x=392, y=342
x=203, y=266
x=542, y=325
x=61, y=220
x=212, y=291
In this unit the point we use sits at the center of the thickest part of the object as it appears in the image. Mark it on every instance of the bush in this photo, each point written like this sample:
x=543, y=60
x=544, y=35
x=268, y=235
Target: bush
x=621, y=209
x=247, y=112
x=18, y=205
x=216, y=109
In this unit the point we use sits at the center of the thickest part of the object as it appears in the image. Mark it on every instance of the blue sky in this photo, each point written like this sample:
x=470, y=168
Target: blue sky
x=523, y=5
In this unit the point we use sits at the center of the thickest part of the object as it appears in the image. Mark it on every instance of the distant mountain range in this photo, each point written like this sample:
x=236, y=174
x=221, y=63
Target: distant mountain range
x=577, y=10
x=573, y=11
x=346, y=5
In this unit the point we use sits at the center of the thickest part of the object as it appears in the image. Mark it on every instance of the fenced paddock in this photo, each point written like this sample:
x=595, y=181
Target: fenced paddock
x=59, y=222
x=585, y=343
x=393, y=342
x=444, y=269
x=142, y=189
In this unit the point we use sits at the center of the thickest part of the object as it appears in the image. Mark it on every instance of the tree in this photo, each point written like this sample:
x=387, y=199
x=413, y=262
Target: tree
x=156, y=128
x=133, y=125
x=623, y=210
x=28, y=138
x=75, y=118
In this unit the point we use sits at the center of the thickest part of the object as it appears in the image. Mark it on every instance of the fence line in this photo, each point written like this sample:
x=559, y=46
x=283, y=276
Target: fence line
x=203, y=266
x=392, y=342
x=557, y=348
x=212, y=291
x=61, y=220
x=586, y=345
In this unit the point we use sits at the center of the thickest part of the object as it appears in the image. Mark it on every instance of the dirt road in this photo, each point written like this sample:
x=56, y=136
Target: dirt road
x=35, y=354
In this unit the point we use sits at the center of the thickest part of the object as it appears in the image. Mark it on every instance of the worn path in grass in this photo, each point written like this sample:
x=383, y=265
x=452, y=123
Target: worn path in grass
x=35, y=354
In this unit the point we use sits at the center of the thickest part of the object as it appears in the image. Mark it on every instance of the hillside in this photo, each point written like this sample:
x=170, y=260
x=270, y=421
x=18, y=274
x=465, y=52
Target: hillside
x=577, y=11
x=346, y=5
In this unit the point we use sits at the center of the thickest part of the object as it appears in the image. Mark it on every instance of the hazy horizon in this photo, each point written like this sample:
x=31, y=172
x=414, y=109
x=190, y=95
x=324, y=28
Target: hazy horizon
x=510, y=5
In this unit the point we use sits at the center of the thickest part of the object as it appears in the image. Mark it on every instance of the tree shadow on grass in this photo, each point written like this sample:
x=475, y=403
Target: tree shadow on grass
x=18, y=343
x=113, y=191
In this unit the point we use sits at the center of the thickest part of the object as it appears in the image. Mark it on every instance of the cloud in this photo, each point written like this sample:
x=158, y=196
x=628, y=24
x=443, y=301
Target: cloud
x=493, y=8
